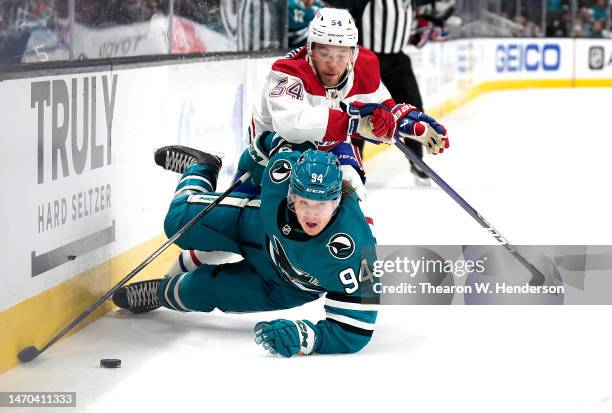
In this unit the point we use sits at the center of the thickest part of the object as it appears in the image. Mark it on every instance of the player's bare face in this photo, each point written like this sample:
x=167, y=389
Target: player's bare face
x=313, y=216
x=331, y=62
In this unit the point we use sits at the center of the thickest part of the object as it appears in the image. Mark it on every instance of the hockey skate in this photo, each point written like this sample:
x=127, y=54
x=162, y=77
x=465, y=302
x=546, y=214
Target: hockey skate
x=177, y=158
x=140, y=297
x=420, y=177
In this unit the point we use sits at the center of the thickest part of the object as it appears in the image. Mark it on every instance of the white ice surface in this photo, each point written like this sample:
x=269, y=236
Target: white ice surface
x=534, y=163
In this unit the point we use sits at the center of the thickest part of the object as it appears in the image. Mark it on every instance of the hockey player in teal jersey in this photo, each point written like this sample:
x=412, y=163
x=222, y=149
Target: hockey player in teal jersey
x=303, y=237
x=299, y=15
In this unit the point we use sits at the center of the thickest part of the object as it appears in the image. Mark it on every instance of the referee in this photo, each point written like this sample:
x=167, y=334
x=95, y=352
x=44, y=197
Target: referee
x=260, y=24
x=384, y=27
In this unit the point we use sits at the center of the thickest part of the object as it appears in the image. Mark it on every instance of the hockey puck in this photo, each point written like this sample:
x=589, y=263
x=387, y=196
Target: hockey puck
x=110, y=363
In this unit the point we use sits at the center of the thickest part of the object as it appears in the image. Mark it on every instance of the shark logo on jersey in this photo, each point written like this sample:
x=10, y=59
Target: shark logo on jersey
x=300, y=278
x=280, y=171
x=341, y=246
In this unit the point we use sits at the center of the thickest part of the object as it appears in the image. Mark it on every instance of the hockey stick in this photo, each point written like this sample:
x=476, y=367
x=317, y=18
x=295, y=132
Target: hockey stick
x=537, y=278
x=31, y=352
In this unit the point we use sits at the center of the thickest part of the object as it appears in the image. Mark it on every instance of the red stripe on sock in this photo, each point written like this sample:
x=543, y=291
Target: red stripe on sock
x=194, y=258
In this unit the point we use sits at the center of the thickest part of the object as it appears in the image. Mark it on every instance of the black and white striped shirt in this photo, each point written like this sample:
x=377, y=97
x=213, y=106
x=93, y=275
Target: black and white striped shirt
x=384, y=25
x=254, y=24
x=261, y=25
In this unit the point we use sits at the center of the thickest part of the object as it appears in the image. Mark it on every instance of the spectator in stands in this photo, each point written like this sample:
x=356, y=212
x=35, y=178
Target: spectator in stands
x=554, y=8
x=559, y=26
x=132, y=11
x=600, y=11
x=597, y=32
x=532, y=29
x=556, y=29
x=578, y=31
x=518, y=19
x=88, y=12
x=585, y=22
x=566, y=22
x=299, y=15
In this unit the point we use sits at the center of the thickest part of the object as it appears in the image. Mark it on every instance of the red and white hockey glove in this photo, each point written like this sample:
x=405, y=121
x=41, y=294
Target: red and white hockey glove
x=432, y=28
x=422, y=33
x=371, y=121
x=418, y=126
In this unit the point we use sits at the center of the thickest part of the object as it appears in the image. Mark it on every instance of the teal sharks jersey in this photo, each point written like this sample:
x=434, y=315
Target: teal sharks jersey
x=330, y=262
x=301, y=258
x=299, y=16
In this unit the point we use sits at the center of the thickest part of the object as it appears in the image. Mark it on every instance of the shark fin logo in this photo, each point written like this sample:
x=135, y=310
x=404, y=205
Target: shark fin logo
x=280, y=171
x=341, y=246
x=300, y=278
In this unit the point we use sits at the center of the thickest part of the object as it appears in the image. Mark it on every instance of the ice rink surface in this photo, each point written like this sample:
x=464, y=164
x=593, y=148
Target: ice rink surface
x=533, y=163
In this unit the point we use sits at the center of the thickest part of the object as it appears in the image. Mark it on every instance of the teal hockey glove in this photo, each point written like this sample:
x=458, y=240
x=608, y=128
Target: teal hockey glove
x=286, y=337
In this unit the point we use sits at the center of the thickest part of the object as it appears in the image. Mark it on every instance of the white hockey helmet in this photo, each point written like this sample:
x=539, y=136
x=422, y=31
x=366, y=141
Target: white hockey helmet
x=332, y=26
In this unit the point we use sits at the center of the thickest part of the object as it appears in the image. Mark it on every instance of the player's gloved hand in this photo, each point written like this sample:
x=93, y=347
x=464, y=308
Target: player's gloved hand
x=371, y=121
x=286, y=337
x=251, y=161
x=416, y=125
x=427, y=31
x=422, y=33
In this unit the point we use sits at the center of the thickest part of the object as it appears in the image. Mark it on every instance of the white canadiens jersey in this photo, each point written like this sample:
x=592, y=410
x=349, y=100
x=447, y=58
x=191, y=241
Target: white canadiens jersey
x=296, y=106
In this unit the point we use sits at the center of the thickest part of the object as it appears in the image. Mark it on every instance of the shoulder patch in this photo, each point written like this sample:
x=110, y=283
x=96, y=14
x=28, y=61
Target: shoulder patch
x=341, y=246
x=280, y=171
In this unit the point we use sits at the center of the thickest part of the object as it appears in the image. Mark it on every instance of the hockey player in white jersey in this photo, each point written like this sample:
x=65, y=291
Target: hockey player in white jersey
x=330, y=90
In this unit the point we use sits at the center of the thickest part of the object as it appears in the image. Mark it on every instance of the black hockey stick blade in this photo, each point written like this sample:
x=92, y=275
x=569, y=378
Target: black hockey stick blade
x=28, y=354
x=537, y=278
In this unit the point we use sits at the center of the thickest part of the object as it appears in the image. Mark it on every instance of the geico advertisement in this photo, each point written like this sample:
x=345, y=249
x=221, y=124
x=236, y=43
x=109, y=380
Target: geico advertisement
x=528, y=58
x=73, y=120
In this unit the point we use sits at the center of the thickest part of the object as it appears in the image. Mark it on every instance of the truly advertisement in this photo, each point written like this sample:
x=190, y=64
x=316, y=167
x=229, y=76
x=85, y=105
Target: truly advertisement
x=80, y=186
x=74, y=159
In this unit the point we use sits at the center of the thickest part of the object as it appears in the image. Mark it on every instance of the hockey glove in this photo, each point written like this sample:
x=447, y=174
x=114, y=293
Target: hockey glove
x=286, y=337
x=427, y=31
x=371, y=121
x=418, y=126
